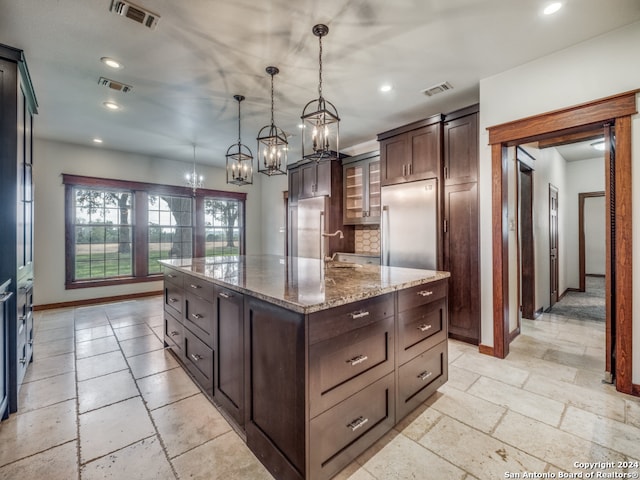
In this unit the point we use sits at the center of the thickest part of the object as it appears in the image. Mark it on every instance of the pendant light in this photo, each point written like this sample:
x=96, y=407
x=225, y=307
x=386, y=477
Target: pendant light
x=239, y=158
x=320, y=132
x=272, y=142
x=193, y=180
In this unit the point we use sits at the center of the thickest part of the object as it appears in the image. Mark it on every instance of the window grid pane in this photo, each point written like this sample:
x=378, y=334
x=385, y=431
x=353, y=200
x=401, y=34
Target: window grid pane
x=102, y=233
x=223, y=226
x=170, y=229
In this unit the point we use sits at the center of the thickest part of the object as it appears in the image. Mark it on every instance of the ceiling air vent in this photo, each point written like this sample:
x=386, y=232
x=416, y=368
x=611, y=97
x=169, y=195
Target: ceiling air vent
x=112, y=84
x=439, y=88
x=135, y=13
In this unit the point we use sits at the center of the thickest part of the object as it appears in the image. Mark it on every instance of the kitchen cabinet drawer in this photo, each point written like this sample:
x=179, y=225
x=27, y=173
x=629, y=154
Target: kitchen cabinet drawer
x=339, y=320
x=419, y=378
x=341, y=366
x=420, y=328
x=174, y=335
x=343, y=432
x=198, y=317
x=174, y=276
x=199, y=361
x=173, y=299
x=199, y=287
x=421, y=294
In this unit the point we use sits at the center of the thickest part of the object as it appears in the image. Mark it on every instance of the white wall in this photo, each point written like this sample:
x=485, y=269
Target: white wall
x=55, y=158
x=583, y=176
x=594, y=236
x=273, y=214
x=603, y=66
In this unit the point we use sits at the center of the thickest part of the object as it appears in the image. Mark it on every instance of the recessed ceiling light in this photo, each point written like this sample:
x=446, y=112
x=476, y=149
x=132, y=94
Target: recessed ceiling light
x=110, y=62
x=111, y=105
x=552, y=8
x=97, y=140
x=385, y=88
x=599, y=145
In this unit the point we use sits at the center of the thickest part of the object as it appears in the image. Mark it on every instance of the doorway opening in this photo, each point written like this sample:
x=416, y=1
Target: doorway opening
x=574, y=123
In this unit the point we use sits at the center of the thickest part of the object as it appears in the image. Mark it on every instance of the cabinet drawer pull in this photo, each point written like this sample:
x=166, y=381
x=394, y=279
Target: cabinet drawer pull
x=22, y=318
x=224, y=295
x=193, y=285
x=173, y=300
x=196, y=357
x=31, y=342
x=425, y=293
x=424, y=375
x=174, y=333
x=424, y=327
x=356, y=360
x=360, y=314
x=197, y=316
x=357, y=423
x=23, y=360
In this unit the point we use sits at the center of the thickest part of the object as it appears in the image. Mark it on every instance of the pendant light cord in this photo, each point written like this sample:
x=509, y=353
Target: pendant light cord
x=320, y=69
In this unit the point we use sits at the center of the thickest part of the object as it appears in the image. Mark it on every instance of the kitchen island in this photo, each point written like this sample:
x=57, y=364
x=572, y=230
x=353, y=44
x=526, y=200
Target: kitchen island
x=312, y=362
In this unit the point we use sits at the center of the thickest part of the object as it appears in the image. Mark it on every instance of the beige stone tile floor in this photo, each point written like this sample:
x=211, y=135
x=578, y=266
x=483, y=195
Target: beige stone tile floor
x=104, y=400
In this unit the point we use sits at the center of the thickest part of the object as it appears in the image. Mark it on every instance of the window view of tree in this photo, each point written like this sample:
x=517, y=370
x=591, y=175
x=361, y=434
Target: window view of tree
x=223, y=226
x=102, y=233
x=117, y=230
x=170, y=229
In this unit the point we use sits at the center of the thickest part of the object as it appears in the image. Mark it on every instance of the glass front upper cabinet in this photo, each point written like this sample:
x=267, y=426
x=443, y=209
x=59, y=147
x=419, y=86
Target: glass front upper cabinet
x=361, y=179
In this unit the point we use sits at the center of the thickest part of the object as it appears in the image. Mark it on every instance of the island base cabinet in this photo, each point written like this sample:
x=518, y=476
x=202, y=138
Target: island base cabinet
x=199, y=361
x=343, y=432
x=174, y=335
x=419, y=378
x=275, y=387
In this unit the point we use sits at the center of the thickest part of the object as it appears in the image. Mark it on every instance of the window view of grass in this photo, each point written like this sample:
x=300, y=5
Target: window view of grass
x=104, y=234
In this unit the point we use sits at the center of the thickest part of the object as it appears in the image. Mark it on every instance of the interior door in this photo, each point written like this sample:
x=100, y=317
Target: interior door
x=553, y=244
x=527, y=247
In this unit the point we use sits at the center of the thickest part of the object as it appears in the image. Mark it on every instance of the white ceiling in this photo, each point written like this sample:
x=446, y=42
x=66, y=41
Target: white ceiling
x=184, y=73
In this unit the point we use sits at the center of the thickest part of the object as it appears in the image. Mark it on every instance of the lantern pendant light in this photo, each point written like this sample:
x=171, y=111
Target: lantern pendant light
x=320, y=120
x=272, y=142
x=239, y=158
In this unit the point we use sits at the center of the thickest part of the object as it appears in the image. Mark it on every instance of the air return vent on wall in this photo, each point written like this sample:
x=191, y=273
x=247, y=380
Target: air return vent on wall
x=135, y=13
x=121, y=87
x=435, y=89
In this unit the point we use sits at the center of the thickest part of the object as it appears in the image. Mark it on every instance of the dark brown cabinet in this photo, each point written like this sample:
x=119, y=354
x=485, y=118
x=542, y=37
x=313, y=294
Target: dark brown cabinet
x=314, y=179
x=229, y=346
x=461, y=150
x=461, y=250
x=412, y=152
x=311, y=391
x=422, y=344
x=361, y=189
x=18, y=108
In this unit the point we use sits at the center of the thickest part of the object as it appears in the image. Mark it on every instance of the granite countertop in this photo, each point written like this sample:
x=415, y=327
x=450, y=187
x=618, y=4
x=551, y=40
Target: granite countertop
x=304, y=285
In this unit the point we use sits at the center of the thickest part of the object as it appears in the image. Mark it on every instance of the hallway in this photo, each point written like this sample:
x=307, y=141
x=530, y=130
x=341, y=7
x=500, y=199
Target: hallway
x=103, y=399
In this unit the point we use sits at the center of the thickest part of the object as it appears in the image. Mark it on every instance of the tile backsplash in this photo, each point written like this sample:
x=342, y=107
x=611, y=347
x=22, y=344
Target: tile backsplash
x=367, y=239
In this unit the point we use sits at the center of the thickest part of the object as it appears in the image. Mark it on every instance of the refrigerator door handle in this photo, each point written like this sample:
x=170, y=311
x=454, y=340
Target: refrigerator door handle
x=384, y=236
x=322, y=236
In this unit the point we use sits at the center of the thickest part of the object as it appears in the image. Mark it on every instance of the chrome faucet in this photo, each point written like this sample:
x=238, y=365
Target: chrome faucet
x=322, y=254
x=337, y=232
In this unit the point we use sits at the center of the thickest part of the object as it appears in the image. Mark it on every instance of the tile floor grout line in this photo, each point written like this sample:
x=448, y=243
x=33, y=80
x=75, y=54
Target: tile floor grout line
x=36, y=453
x=144, y=403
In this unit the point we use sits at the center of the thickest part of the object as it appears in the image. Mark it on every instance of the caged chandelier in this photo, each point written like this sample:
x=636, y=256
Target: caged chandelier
x=239, y=158
x=320, y=118
x=272, y=142
x=193, y=179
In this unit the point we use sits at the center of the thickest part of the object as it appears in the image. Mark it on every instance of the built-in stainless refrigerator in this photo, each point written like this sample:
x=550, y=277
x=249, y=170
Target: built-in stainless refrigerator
x=409, y=225
x=312, y=218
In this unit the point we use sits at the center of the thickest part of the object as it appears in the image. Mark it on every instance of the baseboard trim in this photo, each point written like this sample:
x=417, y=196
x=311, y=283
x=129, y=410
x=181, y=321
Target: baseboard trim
x=95, y=301
x=635, y=390
x=598, y=275
x=538, y=312
x=567, y=291
x=486, y=350
x=514, y=334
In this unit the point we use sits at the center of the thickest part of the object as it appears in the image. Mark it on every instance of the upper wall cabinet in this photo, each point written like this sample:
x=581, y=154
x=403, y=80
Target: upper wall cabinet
x=361, y=182
x=461, y=149
x=412, y=152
